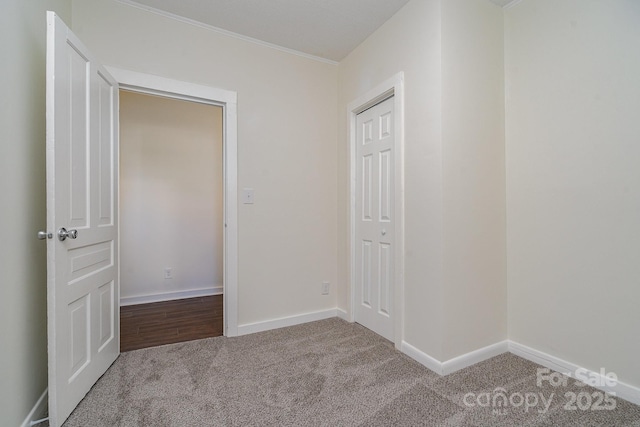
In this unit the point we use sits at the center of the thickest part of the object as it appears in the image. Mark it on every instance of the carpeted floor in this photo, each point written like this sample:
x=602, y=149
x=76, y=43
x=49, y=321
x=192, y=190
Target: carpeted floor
x=328, y=373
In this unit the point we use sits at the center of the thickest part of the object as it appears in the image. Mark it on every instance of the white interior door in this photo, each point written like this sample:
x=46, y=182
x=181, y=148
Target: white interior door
x=82, y=269
x=374, y=222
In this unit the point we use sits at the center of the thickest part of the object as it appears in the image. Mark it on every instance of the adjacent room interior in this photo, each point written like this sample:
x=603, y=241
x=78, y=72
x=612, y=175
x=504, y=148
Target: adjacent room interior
x=171, y=220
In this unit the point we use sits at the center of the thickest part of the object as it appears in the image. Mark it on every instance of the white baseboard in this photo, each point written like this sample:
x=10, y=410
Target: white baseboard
x=343, y=314
x=474, y=357
x=267, y=325
x=38, y=411
x=457, y=363
x=431, y=363
x=169, y=296
x=620, y=389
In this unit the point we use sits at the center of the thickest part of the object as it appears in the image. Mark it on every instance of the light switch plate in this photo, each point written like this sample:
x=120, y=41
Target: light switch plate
x=247, y=196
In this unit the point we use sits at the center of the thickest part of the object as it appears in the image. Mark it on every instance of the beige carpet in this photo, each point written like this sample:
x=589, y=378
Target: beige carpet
x=326, y=373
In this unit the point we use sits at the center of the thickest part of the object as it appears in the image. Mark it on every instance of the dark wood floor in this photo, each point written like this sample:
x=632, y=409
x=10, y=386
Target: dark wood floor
x=149, y=325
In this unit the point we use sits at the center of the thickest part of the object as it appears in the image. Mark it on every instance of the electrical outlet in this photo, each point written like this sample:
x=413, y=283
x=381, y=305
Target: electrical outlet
x=168, y=273
x=325, y=288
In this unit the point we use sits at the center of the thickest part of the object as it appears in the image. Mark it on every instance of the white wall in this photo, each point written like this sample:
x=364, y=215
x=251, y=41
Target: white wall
x=408, y=42
x=573, y=200
x=171, y=210
x=23, y=286
x=451, y=53
x=474, y=215
x=286, y=145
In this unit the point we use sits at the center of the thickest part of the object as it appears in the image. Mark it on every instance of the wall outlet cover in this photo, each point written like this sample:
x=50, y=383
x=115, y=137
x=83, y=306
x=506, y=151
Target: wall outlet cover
x=325, y=288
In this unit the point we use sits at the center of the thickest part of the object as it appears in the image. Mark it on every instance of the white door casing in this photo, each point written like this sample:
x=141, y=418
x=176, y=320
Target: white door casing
x=82, y=195
x=162, y=86
x=376, y=213
x=375, y=228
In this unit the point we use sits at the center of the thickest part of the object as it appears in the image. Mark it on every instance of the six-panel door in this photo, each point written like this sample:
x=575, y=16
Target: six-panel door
x=375, y=231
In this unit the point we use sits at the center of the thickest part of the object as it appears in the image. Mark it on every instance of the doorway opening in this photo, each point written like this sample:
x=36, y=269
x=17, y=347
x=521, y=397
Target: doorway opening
x=171, y=220
x=221, y=105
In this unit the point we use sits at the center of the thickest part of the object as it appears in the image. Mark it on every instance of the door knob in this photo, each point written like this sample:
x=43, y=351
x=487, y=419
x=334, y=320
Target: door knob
x=63, y=234
x=384, y=232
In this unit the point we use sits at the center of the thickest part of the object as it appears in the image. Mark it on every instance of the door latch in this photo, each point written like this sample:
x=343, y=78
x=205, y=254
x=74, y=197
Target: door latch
x=43, y=235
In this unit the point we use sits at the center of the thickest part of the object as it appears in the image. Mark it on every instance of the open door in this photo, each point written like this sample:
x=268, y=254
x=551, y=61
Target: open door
x=82, y=214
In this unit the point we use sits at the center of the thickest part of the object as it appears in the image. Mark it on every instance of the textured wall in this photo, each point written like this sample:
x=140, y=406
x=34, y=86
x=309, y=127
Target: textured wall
x=573, y=200
x=23, y=259
x=409, y=42
x=474, y=216
x=451, y=54
x=286, y=145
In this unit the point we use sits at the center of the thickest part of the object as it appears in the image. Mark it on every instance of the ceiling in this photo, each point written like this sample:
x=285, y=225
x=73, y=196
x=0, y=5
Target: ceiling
x=328, y=29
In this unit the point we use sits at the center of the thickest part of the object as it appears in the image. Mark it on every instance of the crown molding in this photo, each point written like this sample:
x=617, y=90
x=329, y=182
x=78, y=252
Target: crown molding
x=511, y=4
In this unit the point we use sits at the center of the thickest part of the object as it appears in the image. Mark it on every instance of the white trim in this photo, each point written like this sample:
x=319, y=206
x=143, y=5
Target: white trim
x=152, y=84
x=267, y=325
x=393, y=86
x=460, y=362
x=538, y=357
x=622, y=390
x=342, y=314
x=512, y=4
x=227, y=33
x=147, y=83
x=170, y=296
x=230, y=253
x=473, y=357
x=38, y=411
x=423, y=358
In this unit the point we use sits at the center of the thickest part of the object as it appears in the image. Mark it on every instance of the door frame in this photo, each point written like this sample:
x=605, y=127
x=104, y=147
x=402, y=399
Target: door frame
x=176, y=89
x=394, y=86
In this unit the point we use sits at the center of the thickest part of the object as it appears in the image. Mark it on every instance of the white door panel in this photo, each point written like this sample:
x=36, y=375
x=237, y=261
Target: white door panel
x=375, y=231
x=82, y=272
